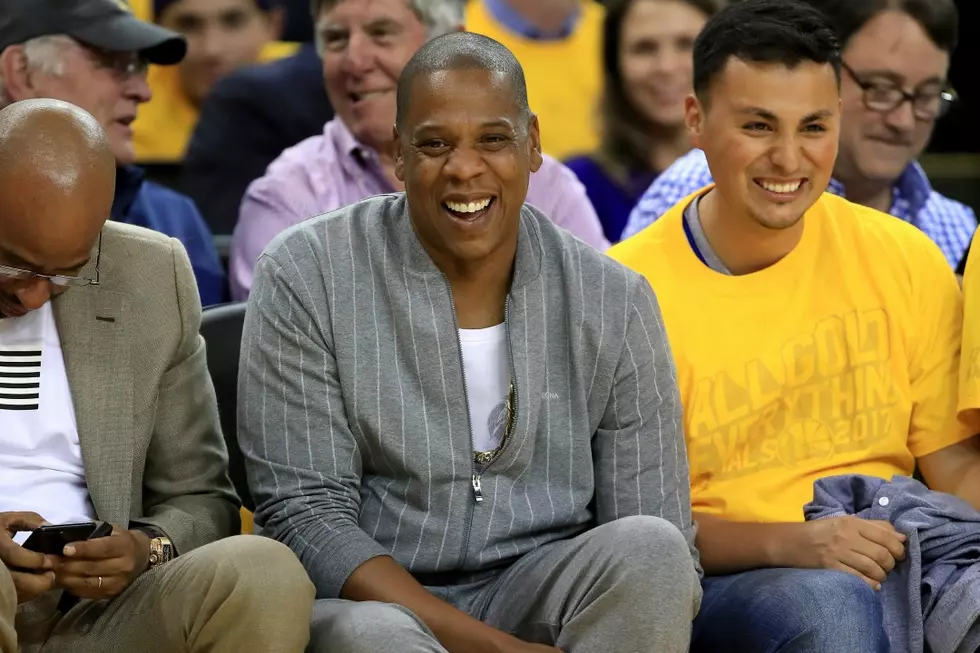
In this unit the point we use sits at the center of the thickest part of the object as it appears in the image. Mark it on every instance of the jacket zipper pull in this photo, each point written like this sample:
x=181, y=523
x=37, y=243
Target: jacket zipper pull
x=477, y=490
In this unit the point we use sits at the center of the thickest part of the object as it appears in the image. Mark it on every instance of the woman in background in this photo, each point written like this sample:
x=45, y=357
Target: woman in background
x=647, y=69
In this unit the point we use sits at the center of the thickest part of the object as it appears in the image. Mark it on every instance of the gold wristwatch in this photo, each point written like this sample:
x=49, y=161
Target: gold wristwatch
x=161, y=551
x=161, y=548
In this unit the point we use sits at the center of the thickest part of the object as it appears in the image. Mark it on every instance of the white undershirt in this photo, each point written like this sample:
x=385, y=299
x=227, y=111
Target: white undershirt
x=487, y=370
x=41, y=467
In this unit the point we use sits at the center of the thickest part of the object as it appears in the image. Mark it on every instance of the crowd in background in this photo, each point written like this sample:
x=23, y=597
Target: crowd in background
x=608, y=81
x=666, y=177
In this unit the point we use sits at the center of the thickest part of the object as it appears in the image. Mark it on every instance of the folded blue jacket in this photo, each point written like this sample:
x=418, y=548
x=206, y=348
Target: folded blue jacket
x=933, y=596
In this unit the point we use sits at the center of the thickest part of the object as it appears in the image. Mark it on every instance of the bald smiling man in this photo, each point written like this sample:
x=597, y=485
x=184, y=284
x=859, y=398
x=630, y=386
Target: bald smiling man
x=107, y=414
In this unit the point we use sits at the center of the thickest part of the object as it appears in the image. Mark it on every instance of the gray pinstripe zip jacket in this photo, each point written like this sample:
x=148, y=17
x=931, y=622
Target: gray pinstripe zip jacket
x=353, y=414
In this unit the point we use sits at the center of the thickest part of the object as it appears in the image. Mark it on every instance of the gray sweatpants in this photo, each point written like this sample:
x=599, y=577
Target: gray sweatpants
x=628, y=586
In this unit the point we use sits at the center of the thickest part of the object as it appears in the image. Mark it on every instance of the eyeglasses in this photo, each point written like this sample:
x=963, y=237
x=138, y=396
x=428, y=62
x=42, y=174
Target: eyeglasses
x=885, y=97
x=60, y=280
x=122, y=64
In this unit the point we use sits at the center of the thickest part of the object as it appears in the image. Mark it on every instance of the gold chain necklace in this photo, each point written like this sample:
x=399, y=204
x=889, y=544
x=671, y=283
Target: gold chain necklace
x=484, y=458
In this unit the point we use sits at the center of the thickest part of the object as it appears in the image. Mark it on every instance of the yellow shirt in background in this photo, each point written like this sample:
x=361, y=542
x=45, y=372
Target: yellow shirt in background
x=969, y=404
x=142, y=9
x=165, y=123
x=564, y=77
x=840, y=358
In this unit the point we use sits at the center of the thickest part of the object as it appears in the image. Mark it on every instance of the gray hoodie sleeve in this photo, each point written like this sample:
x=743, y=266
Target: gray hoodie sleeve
x=639, y=450
x=303, y=462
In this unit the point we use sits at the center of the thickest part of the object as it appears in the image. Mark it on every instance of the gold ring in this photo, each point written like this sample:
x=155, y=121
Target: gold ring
x=100, y=582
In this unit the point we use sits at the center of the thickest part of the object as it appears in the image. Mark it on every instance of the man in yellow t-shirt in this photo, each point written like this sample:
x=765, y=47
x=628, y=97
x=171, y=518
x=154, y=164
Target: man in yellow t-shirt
x=812, y=336
x=222, y=36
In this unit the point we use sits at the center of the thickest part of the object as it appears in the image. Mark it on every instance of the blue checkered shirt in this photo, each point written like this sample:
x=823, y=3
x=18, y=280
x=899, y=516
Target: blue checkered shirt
x=947, y=222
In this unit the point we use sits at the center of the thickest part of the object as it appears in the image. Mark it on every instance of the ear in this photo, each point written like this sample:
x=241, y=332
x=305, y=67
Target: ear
x=534, y=141
x=694, y=119
x=16, y=77
x=396, y=154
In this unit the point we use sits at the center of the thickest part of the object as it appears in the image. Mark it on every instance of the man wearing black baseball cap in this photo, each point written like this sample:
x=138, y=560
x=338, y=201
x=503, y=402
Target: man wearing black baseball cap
x=106, y=24
x=94, y=54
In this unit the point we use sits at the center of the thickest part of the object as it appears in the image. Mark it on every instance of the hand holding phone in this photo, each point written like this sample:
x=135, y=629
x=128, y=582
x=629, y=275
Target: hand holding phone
x=31, y=571
x=102, y=567
x=52, y=539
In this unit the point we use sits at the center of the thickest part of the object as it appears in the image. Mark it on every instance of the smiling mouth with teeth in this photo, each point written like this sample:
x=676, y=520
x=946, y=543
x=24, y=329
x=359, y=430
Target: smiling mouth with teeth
x=781, y=189
x=470, y=210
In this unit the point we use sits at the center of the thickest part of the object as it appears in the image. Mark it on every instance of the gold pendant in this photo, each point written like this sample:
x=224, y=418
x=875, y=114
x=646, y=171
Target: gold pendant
x=484, y=458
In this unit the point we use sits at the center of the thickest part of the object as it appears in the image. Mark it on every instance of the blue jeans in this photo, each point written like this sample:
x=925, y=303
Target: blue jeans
x=789, y=611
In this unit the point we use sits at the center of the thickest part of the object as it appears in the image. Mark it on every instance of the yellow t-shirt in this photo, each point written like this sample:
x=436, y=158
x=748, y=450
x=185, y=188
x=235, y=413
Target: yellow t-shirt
x=839, y=359
x=142, y=9
x=969, y=404
x=564, y=77
x=164, y=124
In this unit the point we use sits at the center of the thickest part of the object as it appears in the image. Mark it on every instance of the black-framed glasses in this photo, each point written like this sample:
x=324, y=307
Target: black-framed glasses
x=885, y=96
x=60, y=280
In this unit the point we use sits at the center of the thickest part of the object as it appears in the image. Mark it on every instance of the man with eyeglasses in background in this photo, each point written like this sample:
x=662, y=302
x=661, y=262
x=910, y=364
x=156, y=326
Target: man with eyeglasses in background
x=94, y=54
x=896, y=58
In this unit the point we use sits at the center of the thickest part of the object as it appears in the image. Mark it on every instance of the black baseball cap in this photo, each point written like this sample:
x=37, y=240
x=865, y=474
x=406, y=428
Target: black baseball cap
x=106, y=24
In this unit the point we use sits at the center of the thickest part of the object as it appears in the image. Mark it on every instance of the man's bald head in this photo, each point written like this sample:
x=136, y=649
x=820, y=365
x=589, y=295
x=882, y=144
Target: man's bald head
x=461, y=51
x=54, y=141
x=57, y=182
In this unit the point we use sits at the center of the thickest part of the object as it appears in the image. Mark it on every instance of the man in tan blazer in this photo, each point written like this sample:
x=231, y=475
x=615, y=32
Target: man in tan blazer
x=107, y=413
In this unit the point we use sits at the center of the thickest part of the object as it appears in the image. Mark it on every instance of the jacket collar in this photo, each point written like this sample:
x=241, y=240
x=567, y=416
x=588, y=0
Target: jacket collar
x=910, y=192
x=129, y=179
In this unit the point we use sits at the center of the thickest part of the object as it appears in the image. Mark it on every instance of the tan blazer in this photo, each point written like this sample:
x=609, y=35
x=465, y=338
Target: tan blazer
x=145, y=407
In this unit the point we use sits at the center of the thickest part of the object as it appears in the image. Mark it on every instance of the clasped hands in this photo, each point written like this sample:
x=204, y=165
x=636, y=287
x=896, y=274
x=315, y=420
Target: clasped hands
x=95, y=569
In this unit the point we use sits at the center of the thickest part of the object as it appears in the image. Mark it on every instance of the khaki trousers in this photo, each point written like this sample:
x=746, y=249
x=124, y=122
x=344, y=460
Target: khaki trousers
x=243, y=593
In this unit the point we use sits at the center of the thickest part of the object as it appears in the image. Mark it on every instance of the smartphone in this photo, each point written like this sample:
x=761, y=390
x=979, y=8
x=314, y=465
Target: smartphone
x=52, y=539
